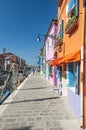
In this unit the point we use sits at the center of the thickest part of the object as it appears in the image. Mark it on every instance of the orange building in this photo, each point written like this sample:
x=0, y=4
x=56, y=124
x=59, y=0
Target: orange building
x=70, y=55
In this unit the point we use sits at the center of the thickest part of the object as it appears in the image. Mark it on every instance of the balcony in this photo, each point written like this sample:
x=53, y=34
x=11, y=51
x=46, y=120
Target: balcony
x=59, y=2
x=59, y=48
x=59, y=41
x=71, y=25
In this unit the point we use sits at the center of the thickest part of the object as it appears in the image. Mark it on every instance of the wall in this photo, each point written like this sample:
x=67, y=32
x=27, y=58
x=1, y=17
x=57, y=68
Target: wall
x=47, y=71
x=50, y=51
x=53, y=80
x=71, y=43
x=75, y=38
x=49, y=45
x=74, y=100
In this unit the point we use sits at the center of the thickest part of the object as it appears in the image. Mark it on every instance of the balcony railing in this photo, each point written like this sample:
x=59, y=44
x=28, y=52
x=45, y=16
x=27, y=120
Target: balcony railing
x=59, y=41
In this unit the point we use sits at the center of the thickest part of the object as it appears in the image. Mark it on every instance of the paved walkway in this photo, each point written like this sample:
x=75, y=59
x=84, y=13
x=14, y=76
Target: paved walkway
x=35, y=105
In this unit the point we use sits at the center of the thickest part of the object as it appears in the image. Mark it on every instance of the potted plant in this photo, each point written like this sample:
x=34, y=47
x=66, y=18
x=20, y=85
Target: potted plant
x=71, y=24
x=59, y=39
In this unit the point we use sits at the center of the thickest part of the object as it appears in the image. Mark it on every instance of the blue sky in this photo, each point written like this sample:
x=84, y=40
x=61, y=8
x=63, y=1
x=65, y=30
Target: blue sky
x=20, y=23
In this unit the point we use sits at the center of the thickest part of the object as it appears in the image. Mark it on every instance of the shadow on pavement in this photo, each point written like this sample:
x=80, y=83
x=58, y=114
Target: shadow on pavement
x=32, y=100
x=32, y=88
x=23, y=128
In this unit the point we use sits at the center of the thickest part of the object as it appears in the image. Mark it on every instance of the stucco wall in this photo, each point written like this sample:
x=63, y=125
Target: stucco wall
x=50, y=44
x=74, y=100
x=74, y=40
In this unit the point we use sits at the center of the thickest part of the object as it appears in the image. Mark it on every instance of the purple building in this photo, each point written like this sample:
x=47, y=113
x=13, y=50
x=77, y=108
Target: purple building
x=50, y=40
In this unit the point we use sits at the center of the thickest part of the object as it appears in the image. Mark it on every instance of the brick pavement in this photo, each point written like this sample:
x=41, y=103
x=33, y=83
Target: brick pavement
x=35, y=105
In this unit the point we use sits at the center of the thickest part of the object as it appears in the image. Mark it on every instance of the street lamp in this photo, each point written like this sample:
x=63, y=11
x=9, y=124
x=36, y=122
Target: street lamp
x=53, y=37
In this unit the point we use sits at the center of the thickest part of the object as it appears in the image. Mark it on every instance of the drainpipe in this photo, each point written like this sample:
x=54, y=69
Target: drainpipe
x=83, y=88
x=84, y=73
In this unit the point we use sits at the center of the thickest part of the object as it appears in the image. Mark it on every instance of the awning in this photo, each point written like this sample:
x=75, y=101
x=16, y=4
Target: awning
x=54, y=62
x=72, y=57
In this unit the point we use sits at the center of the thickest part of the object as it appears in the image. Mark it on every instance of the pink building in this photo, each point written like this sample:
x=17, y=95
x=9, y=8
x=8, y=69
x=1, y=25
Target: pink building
x=50, y=40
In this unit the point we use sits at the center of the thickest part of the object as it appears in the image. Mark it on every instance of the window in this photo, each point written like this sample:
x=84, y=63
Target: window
x=73, y=76
x=77, y=77
x=47, y=46
x=72, y=13
x=73, y=5
x=59, y=72
x=67, y=8
x=50, y=71
x=60, y=29
x=84, y=3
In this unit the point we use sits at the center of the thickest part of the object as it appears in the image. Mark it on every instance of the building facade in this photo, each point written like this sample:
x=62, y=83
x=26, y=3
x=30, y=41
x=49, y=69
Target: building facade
x=66, y=55
x=71, y=17
x=49, y=45
x=2, y=62
x=9, y=58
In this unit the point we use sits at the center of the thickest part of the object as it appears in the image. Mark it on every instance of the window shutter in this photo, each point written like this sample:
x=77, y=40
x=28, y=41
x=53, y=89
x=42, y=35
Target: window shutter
x=84, y=3
x=71, y=74
x=77, y=78
x=77, y=8
x=62, y=27
x=71, y=4
x=59, y=72
x=67, y=8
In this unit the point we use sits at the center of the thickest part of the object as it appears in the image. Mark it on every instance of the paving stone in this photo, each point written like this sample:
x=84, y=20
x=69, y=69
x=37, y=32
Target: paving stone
x=38, y=118
x=37, y=107
x=58, y=128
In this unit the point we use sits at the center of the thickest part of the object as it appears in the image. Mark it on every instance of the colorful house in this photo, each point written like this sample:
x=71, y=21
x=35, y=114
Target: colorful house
x=49, y=45
x=71, y=53
x=2, y=63
x=10, y=58
x=42, y=62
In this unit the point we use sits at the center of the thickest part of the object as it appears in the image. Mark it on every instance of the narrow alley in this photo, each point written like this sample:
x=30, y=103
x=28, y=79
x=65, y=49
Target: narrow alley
x=36, y=105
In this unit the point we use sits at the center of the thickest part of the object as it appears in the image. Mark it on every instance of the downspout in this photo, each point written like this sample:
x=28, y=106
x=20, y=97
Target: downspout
x=84, y=72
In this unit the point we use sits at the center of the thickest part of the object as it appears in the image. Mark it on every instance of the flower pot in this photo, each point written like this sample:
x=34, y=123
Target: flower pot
x=71, y=27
